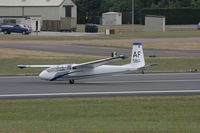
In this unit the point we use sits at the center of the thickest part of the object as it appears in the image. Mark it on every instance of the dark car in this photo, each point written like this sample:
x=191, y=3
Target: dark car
x=16, y=28
x=91, y=28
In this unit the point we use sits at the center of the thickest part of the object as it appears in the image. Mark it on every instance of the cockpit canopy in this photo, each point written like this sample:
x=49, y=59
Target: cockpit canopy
x=60, y=68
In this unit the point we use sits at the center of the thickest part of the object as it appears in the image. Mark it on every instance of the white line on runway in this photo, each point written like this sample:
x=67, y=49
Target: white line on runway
x=126, y=75
x=14, y=77
x=157, y=74
x=143, y=81
x=99, y=93
x=136, y=81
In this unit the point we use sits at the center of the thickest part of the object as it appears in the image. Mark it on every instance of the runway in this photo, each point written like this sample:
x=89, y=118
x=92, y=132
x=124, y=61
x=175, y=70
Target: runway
x=65, y=47
x=119, y=85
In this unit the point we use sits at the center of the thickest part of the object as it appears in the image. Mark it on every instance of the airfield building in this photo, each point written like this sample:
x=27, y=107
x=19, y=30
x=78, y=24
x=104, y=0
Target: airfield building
x=155, y=23
x=112, y=18
x=38, y=10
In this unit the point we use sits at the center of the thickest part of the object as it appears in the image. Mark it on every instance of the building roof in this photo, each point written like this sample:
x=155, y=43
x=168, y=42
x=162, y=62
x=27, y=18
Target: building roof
x=15, y=3
x=155, y=16
x=111, y=13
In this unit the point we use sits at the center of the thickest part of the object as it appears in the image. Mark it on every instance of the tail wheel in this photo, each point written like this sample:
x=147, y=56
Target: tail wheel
x=71, y=81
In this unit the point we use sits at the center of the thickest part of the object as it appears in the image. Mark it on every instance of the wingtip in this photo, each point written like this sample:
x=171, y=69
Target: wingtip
x=21, y=66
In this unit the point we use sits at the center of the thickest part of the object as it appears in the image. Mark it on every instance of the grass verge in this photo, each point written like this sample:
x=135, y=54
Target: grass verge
x=159, y=44
x=104, y=115
x=129, y=35
x=8, y=65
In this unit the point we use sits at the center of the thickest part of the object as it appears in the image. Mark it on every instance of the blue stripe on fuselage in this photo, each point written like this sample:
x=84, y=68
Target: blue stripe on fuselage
x=62, y=75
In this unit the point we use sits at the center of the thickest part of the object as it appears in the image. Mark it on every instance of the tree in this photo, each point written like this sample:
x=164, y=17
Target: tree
x=195, y=3
x=91, y=8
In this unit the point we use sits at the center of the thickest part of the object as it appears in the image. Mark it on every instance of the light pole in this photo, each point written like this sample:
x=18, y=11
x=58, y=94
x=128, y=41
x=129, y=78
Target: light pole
x=132, y=15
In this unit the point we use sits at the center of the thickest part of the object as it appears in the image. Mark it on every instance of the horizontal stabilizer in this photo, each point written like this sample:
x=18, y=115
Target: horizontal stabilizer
x=150, y=65
x=147, y=66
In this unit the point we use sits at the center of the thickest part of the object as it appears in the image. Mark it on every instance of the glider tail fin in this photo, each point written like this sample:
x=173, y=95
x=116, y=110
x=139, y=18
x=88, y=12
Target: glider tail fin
x=137, y=58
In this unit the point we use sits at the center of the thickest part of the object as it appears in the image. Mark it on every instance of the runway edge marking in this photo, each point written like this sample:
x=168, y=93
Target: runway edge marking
x=147, y=81
x=98, y=93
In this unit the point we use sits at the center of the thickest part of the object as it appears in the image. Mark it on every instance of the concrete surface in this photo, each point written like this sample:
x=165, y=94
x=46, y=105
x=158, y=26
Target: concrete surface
x=120, y=85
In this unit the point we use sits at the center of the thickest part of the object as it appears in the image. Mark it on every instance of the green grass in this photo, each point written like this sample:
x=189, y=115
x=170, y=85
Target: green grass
x=40, y=38
x=168, y=34
x=173, y=64
x=8, y=66
x=101, y=115
x=120, y=35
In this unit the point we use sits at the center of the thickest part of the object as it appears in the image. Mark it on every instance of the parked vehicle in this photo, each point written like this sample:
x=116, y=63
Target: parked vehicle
x=91, y=28
x=16, y=28
x=198, y=26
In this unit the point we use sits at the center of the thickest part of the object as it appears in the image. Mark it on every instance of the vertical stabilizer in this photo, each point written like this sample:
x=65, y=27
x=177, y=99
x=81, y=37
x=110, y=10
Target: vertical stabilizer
x=137, y=58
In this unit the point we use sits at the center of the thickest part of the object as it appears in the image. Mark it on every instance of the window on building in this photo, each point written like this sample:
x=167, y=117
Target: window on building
x=9, y=21
x=68, y=11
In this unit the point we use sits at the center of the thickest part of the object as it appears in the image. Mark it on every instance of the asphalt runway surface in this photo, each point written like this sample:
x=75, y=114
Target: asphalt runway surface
x=118, y=85
x=65, y=47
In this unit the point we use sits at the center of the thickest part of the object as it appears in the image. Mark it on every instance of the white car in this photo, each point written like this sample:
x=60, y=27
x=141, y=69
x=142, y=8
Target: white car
x=198, y=26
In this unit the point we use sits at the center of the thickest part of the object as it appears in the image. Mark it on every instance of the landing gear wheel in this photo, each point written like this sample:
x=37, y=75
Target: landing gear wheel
x=71, y=81
x=143, y=72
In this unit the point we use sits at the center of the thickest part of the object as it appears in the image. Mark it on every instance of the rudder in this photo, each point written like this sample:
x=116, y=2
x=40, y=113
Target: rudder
x=137, y=58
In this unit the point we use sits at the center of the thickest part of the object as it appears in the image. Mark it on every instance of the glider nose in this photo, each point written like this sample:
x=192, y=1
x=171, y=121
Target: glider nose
x=44, y=75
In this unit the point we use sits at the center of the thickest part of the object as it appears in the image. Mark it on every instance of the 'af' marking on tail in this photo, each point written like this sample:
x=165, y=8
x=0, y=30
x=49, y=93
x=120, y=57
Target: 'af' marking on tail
x=136, y=54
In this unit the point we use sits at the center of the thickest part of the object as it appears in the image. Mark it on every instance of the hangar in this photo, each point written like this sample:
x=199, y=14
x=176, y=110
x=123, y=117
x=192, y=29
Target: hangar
x=52, y=10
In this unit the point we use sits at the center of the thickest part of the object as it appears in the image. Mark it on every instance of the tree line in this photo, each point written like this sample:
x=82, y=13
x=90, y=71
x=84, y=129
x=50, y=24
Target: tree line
x=91, y=8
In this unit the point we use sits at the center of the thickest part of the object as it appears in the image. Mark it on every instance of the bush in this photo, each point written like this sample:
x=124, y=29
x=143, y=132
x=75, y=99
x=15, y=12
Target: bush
x=173, y=16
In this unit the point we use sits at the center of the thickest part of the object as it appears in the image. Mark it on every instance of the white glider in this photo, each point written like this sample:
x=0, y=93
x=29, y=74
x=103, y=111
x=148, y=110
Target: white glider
x=91, y=69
